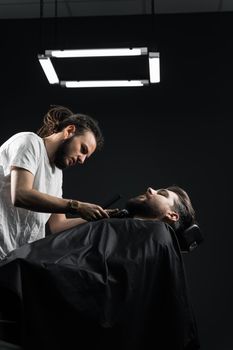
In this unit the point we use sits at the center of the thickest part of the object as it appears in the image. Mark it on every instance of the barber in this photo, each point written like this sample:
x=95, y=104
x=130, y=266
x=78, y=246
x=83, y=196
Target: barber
x=31, y=168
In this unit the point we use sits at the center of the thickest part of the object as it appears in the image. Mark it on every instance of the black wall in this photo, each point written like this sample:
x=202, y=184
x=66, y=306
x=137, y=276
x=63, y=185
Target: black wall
x=175, y=132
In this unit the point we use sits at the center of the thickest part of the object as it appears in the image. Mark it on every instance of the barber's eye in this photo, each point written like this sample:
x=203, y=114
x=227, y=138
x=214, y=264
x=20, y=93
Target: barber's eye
x=84, y=150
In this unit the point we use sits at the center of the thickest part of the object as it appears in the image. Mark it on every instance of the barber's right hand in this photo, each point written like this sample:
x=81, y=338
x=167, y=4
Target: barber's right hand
x=91, y=212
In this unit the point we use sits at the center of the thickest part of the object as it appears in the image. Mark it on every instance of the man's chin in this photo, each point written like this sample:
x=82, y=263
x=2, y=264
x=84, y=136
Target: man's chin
x=133, y=206
x=138, y=207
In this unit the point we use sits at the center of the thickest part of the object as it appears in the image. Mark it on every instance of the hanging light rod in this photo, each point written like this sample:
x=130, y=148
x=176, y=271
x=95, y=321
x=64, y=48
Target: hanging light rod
x=48, y=69
x=103, y=83
x=154, y=67
x=97, y=52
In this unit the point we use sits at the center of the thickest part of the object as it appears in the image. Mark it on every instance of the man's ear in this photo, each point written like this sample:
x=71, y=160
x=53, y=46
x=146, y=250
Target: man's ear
x=172, y=216
x=69, y=131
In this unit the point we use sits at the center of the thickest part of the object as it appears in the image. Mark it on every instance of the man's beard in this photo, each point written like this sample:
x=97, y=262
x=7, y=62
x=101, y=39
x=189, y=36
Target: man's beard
x=141, y=208
x=61, y=154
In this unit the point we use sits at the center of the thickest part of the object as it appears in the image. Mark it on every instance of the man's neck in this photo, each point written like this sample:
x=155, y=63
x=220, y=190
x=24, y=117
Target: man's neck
x=144, y=218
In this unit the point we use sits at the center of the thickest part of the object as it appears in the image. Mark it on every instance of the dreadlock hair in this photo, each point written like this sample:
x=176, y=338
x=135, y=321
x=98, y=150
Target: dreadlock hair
x=184, y=208
x=59, y=117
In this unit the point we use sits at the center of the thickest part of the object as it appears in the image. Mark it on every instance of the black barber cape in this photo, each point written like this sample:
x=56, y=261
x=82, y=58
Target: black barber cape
x=110, y=284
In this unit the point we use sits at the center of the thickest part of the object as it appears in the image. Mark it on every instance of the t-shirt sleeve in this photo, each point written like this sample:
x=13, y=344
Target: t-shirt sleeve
x=23, y=152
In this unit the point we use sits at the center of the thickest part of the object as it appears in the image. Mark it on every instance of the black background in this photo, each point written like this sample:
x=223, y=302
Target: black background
x=174, y=132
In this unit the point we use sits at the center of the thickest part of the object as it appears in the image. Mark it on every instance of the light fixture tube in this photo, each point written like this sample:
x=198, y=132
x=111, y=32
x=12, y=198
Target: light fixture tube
x=97, y=52
x=103, y=83
x=154, y=67
x=48, y=69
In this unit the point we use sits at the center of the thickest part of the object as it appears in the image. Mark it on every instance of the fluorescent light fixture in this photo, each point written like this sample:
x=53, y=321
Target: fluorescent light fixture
x=97, y=52
x=49, y=71
x=103, y=83
x=154, y=67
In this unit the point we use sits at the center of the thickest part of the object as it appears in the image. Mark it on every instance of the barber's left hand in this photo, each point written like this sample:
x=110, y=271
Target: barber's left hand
x=112, y=212
x=91, y=212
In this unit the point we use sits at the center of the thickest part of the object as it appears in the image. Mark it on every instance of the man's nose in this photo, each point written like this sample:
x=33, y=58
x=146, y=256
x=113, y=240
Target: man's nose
x=151, y=190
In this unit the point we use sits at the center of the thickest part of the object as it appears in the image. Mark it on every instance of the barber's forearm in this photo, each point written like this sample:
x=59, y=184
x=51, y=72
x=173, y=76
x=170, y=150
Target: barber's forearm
x=40, y=202
x=62, y=225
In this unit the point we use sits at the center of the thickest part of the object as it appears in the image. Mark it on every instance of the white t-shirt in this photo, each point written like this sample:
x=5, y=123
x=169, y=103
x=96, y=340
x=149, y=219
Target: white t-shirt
x=19, y=226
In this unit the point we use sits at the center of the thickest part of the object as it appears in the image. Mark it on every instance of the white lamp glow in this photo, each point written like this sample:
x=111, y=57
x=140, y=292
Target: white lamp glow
x=103, y=83
x=48, y=69
x=96, y=52
x=154, y=67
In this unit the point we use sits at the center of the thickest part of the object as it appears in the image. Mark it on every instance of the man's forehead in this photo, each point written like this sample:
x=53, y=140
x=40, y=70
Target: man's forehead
x=173, y=195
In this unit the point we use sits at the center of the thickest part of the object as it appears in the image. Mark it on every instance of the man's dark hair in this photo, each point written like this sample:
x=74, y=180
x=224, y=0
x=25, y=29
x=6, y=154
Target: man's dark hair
x=58, y=117
x=184, y=208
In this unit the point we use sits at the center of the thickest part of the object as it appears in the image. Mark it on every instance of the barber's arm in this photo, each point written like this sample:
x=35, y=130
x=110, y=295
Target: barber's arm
x=25, y=196
x=59, y=222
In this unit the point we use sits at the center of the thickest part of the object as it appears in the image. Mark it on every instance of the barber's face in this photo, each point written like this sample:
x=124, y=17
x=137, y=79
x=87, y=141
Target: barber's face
x=153, y=204
x=75, y=150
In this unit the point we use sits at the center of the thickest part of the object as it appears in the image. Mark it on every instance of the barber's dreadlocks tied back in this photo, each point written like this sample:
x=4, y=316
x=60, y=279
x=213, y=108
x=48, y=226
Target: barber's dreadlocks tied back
x=58, y=117
x=52, y=119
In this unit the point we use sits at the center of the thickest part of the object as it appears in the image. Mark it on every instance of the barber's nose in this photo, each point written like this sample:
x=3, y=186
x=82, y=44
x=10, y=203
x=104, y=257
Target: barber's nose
x=150, y=190
x=81, y=159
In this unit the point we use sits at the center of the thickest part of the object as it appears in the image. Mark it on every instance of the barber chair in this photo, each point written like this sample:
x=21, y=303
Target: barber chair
x=9, y=324
x=190, y=239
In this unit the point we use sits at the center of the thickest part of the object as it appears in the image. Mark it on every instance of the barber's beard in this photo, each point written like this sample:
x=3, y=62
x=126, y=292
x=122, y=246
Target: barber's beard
x=142, y=209
x=61, y=154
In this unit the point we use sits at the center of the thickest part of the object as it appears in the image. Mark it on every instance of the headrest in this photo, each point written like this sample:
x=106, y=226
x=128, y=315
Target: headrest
x=190, y=239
